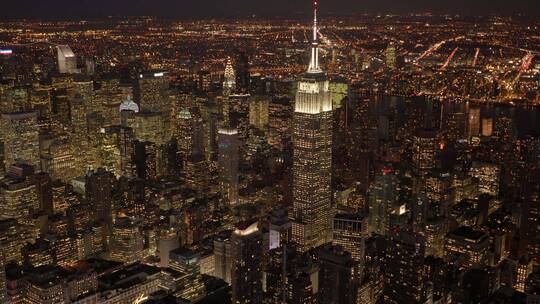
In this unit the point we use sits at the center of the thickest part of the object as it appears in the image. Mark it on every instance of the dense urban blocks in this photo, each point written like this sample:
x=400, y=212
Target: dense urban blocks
x=357, y=159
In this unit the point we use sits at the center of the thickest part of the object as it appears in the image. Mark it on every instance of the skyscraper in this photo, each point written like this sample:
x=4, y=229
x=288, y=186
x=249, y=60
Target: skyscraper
x=67, y=62
x=21, y=138
x=246, y=270
x=153, y=89
x=242, y=72
x=229, y=79
x=312, y=159
x=44, y=192
x=99, y=195
x=424, y=150
x=126, y=244
x=188, y=263
x=383, y=201
x=18, y=197
x=404, y=262
x=339, y=284
x=228, y=163
x=474, y=122
x=390, y=54
x=350, y=231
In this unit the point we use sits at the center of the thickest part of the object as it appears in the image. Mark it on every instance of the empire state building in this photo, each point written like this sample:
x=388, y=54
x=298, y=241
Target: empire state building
x=312, y=159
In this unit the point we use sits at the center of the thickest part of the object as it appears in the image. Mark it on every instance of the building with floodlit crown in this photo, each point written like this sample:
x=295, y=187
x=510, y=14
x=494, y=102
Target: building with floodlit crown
x=312, y=159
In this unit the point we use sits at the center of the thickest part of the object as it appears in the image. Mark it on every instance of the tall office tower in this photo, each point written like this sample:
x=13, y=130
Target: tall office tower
x=437, y=189
x=223, y=256
x=198, y=148
x=115, y=150
x=242, y=72
x=472, y=245
x=183, y=131
x=57, y=158
x=67, y=62
x=530, y=217
x=246, y=272
x=236, y=114
x=382, y=201
x=258, y=112
x=280, y=229
x=228, y=160
x=487, y=126
x=187, y=262
x=290, y=277
x=197, y=175
x=524, y=268
x=474, y=122
x=13, y=237
x=350, y=232
x=40, y=101
x=44, y=192
x=455, y=127
x=464, y=187
x=99, y=193
x=280, y=112
x=153, y=92
x=60, y=108
x=204, y=81
x=338, y=281
x=21, y=139
x=149, y=126
x=434, y=231
x=168, y=240
x=148, y=160
x=44, y=288
x=81, y=96
x=18, y=196
x=390, y=56
x=229, y=79
x=403, y=272
x=127, y=242
x=424, y=149
x=488, y=176
x=312, y=156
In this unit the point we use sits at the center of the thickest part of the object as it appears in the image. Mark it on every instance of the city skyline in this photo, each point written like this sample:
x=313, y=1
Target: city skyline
x=348, y=159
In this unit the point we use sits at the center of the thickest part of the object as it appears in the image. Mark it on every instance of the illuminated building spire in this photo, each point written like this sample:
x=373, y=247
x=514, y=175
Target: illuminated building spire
x=314, y=63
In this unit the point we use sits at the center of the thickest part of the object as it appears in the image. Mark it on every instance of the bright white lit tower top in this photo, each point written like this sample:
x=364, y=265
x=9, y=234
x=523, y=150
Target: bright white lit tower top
x=229, y=81
x=313, y=94
x=314, y=63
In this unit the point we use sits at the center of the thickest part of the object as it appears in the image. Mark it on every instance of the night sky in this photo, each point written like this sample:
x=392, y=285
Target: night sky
x=243, y=8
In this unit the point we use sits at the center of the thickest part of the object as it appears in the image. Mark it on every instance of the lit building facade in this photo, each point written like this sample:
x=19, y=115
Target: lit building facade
x=247, y=259
x=474, y=245
x=229, y=79
x=350, y=232
x=403, y=272
x=188, y=262
x=67, y=62
x=228, y=159
x=20, y=132
x=312, y=156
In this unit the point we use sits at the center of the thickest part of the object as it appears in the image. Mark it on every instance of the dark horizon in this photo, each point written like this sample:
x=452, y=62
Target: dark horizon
x=35, y=9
